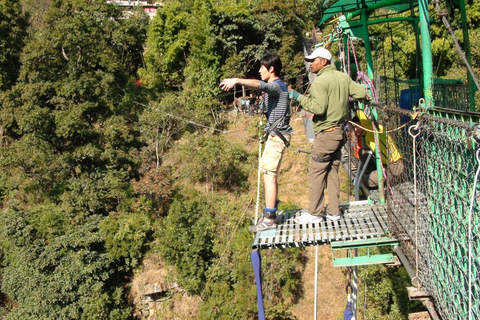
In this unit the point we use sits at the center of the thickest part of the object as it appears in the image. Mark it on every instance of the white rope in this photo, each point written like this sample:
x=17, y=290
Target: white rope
x=470, y=239
x=414, y=116
x=415, y=127
x=258, y=180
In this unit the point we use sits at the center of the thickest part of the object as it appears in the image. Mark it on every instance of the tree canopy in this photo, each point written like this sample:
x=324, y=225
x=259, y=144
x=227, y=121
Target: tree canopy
x=112, y=147
x=13, y=28
x=67, y=165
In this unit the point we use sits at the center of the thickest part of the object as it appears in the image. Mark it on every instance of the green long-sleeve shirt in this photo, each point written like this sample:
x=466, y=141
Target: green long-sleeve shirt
x=327, y=98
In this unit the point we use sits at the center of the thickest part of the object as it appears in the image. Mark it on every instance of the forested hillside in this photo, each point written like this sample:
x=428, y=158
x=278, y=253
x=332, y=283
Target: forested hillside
x=113, y=157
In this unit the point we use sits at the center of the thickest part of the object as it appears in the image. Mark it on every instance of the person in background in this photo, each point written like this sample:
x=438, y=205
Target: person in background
x=277, y=129
x=391, y=157
x=327, y=99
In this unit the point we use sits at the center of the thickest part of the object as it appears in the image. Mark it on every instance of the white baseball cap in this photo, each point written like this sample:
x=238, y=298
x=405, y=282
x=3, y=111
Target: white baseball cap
x=319, y=53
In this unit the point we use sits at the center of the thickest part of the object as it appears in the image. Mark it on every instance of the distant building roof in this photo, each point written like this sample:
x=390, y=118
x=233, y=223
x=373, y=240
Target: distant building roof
x=149, y=8
x=129, y=3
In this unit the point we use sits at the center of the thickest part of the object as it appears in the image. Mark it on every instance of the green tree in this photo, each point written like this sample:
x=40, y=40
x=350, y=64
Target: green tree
x=185, y=239
x=202, y=69
x=222, y=163
x=70, y=235
x=159, y=129
x=231, y=35
x=35, y=10
x=13, y=26
x=167, y=46
x=231, y=292
x=53, y=269
x=73, y=106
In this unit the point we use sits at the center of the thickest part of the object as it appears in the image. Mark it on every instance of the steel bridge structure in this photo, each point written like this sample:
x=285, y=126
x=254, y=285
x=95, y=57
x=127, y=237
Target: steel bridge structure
x=430, y=212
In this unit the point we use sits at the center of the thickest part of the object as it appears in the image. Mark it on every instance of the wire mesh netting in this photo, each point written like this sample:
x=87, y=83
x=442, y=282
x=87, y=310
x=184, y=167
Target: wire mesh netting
x=434, y=205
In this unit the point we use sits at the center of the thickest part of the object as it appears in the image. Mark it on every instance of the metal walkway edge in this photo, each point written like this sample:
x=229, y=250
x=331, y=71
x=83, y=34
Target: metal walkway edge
x=360, y=221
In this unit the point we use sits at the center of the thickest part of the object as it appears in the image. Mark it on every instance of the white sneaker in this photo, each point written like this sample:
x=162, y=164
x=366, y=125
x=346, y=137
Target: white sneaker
x=308, y=218
x=332, y=217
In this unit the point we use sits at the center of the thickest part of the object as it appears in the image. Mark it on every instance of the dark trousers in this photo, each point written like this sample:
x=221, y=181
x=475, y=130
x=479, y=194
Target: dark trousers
x=323, y=171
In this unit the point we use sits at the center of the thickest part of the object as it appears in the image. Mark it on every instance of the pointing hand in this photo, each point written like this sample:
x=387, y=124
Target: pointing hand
x=228, y=83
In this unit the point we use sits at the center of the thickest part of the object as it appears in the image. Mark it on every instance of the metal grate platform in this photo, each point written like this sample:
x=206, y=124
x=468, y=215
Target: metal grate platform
x=360, y=221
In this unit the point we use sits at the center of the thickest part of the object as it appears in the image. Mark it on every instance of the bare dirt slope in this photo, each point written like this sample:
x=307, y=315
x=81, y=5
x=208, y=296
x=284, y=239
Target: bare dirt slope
x=293, y=187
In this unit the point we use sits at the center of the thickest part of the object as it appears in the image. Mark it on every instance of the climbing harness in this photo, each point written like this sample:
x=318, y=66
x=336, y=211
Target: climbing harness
x=273, y=128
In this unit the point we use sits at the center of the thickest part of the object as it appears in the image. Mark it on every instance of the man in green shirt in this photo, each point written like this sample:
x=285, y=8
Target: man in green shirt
x=327, y=99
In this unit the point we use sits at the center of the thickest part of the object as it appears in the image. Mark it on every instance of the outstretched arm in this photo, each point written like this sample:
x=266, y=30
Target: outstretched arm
x=229, y=83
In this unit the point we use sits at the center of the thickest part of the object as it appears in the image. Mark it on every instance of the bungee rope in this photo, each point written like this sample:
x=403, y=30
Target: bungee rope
x=257, y=205
x=351, y=290
x=348, y=60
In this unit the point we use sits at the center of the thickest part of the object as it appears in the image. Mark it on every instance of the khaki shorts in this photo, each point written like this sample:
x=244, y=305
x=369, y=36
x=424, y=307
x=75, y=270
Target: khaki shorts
x=272, y=155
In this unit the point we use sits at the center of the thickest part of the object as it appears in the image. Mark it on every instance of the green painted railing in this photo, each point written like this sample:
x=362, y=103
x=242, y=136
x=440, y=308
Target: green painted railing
x=431, y=211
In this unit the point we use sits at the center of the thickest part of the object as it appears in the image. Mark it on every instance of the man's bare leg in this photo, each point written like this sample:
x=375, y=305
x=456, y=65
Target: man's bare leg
x=271, y=192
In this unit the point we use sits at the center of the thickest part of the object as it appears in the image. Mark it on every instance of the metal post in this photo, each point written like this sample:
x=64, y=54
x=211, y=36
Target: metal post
x=426, y=52
x=366, y=40
x=466, y=44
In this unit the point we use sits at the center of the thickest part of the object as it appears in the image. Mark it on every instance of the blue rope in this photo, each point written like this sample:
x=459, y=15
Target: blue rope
x=257, y=269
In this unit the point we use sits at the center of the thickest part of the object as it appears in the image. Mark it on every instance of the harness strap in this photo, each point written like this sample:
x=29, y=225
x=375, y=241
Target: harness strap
x=272, y=127
x=275, y=130
x=281, y=136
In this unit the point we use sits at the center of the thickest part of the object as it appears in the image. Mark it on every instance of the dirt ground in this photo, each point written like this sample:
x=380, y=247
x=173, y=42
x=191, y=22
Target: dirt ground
x=331, y=296
x=293, y=186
